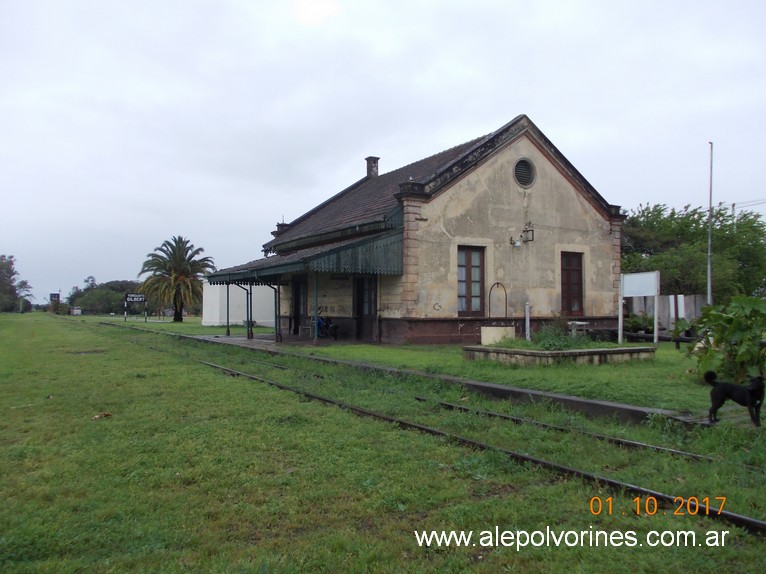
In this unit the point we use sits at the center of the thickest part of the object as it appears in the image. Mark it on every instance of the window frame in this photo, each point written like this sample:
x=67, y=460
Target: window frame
x=572, y=288
x=469, y=293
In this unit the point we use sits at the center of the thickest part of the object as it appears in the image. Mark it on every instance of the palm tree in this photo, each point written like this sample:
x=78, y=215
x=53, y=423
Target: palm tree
x=176, y=274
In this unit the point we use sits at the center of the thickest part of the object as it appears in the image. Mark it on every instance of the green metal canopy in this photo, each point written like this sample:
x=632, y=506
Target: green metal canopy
x=376, y=254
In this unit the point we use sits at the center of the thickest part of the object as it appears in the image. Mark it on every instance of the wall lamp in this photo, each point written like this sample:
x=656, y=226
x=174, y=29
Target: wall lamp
x=527, y=235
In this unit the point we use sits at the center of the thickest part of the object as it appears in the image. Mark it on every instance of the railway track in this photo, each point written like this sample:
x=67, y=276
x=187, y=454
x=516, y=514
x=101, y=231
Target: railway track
x=750, y=524
x=596, y=436
x=626, y=443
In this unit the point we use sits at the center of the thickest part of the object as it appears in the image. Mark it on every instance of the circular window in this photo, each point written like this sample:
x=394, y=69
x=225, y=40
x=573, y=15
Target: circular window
x=524, y=173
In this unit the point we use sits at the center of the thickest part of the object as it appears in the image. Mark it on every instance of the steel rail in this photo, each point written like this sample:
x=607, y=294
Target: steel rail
x=627, y=443
x=610, y=439
x=748, y=523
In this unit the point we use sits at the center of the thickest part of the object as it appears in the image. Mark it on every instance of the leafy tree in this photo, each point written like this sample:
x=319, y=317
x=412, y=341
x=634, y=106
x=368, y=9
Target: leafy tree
x=7, y=282
x=121, y=286
x=675, y=242
x=101, y=298
x=731, y=338
x=175, y=274
x=24, y=291
x=76, y=293
x=12, y=290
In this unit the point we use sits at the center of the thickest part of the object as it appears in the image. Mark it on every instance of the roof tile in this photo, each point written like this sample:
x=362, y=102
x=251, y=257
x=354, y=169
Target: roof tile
x=368, y=200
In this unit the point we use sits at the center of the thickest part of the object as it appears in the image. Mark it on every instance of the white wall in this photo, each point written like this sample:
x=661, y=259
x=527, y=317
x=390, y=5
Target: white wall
x=214, y=305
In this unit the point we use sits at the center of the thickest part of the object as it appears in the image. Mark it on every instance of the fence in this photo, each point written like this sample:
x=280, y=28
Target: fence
x=670, y=308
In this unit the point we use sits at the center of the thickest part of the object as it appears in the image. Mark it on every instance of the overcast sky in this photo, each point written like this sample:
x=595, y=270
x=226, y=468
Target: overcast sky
x=123, y=123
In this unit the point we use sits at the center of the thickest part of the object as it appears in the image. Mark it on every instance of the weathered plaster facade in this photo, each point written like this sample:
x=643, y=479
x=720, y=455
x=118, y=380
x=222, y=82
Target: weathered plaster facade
x=488, y=209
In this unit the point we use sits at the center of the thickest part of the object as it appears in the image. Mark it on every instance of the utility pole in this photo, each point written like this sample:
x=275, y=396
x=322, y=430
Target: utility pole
x=710, y=234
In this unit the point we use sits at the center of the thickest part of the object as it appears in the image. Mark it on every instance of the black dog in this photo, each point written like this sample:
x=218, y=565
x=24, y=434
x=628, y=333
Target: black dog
x=750, y=396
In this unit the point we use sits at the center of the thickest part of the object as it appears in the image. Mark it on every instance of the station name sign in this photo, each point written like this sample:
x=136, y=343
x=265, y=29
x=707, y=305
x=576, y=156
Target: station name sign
x=135, y=298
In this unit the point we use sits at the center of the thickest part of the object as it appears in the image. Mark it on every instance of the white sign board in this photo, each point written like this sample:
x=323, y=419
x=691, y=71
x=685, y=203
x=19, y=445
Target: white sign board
x=640, y=285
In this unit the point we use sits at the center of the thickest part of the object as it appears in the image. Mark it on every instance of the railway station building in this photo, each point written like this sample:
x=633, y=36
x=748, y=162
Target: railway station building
x=501, y=231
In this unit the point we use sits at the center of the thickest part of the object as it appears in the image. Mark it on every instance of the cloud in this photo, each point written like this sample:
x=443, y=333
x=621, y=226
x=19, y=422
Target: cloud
x=314, y=12
x=127, y=122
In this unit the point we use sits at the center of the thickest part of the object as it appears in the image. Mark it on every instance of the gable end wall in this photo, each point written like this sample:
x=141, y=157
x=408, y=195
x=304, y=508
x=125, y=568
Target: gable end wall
x=486, y=208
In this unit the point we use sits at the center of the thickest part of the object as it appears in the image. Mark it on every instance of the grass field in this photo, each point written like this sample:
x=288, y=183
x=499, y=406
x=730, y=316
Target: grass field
x=120, y=452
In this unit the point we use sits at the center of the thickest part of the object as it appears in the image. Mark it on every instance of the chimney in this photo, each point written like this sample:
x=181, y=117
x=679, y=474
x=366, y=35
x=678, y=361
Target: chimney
x=281, y=228
x=372, y=166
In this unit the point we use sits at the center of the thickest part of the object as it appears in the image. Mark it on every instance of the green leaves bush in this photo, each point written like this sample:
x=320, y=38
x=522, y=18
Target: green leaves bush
x=554, y=337
x=731, y=338
x=639, y=322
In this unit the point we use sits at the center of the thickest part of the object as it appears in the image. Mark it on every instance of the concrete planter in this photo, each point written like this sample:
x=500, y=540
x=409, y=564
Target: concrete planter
x=528, y=358
x=490, y=335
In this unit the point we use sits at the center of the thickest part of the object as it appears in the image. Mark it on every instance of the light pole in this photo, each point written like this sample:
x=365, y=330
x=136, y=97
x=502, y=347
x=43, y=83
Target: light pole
x=710, y=234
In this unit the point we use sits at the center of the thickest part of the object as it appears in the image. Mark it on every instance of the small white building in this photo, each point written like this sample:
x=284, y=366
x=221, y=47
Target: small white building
x=214, y=305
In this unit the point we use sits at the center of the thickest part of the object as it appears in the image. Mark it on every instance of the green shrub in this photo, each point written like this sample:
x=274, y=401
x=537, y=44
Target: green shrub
x=640, y=322
x=731, y=338
x=555, y=337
